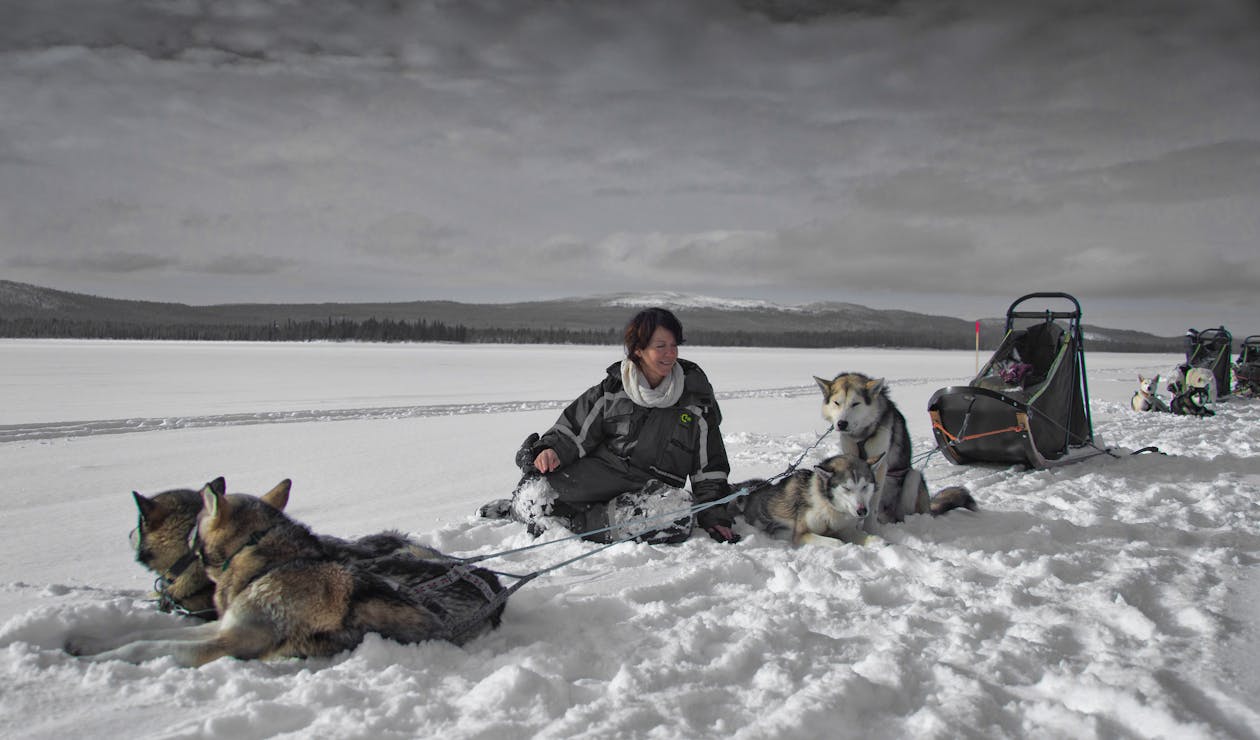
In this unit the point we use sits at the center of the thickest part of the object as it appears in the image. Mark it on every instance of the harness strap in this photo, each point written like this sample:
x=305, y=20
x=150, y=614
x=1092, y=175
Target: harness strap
x=180, y=566
x=168, y=603
x=200, y=552
x=457, y=572
x=492, y=604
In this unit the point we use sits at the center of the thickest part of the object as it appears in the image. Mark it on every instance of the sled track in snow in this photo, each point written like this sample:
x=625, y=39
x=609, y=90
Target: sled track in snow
x=68, y=429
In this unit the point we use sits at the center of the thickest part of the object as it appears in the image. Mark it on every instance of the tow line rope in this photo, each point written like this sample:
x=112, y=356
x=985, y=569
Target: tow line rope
x=168, y=603
x=461, y=571
x=668, y=516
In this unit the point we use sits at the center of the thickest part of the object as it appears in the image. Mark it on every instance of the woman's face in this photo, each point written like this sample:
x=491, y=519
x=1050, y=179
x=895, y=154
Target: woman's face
x=657, y=359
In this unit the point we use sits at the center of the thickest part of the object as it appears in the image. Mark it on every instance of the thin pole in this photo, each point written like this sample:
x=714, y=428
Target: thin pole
x=977, y=346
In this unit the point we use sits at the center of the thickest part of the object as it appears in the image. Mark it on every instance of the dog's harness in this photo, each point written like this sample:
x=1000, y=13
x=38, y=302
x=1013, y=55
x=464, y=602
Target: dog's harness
x=198, y=548
x=861, y=447
x=425, y=594
x=906, y=479
x=166, y=601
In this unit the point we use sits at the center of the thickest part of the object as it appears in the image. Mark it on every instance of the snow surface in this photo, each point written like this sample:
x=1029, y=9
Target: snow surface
x=1110, y=598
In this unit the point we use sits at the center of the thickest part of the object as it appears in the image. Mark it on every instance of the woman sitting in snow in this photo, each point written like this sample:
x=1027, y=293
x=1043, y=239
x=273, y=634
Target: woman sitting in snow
x=621, y=453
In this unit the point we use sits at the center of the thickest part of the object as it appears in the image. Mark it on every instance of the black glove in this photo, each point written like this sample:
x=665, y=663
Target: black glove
x=722, y=533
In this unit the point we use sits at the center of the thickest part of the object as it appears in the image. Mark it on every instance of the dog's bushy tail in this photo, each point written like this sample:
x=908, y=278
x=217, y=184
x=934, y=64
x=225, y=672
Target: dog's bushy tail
x=954, y=497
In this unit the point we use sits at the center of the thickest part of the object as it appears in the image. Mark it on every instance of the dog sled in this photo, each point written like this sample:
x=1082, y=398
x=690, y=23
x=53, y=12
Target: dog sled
x=1208, y=349
x=1247, y=367
x=1030, y=402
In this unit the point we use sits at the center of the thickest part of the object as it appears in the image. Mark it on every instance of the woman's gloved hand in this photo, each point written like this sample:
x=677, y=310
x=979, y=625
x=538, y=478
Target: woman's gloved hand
x=722, y=533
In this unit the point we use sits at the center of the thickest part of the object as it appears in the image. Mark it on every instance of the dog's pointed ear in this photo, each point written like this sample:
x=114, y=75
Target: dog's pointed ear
x=825, y=385
x=218, y=485
x=145, y=504
x=214, y=504
x=823, y=473
x=278, y=497
x=1155, y=380
x=875, y=386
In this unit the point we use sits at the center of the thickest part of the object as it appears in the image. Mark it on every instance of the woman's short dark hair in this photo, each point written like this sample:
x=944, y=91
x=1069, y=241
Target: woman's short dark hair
x=645, y=323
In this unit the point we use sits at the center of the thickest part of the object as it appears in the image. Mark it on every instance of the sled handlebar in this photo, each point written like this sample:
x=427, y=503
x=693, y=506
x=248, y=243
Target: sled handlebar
x=1011, y=313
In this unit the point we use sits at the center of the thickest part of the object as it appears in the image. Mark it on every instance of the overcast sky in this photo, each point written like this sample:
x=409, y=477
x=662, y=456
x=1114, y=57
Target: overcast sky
x=946, y=156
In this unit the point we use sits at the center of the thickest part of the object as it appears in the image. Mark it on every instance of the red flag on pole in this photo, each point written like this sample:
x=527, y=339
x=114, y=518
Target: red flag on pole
x=977, y=346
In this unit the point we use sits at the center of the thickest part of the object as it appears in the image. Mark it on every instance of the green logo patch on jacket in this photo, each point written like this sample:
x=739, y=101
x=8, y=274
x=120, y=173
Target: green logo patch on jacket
x=686, y=418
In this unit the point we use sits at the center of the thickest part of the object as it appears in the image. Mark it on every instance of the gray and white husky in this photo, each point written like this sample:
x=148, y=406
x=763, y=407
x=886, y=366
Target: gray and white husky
x=821, y=506
x=872, y=428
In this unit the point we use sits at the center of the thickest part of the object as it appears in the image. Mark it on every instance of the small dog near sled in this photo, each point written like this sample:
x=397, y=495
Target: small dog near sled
x=1146, y=397
x=872, y=428
x=281, y=593
x=165, y=525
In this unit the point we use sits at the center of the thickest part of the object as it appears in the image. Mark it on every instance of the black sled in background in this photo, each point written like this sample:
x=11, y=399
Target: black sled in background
x=1208, y=349
x=1247, y=368
x=1030, y=402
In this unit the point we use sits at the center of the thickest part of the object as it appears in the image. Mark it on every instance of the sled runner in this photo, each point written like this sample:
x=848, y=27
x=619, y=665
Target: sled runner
x=1247, y=368
x=1030, y=402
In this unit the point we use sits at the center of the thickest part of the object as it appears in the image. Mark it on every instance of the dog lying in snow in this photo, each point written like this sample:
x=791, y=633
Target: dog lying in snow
x=824, y=505
x=282, y=592
x=1146, y=397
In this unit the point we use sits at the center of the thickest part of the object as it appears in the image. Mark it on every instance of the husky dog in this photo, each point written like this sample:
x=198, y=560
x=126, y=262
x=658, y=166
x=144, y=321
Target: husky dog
x=160, y=540
x=872, y=428
x=167, y=519
x=1191, y=402
x=1193, y=388
x=280, y=593
x=1146, y=397
x=822, y=506
x=1186, y=378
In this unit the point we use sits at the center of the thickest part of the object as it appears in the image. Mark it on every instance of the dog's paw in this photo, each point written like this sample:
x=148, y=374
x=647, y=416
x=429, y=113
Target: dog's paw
x=129, y=653
x=86, y=644
x=810, y=538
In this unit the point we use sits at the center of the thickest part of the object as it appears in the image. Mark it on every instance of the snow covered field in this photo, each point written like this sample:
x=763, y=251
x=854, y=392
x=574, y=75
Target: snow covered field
x=1112, y=598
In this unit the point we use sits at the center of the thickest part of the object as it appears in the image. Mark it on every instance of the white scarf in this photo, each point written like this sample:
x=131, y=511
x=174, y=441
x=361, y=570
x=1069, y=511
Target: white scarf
x=663, y=395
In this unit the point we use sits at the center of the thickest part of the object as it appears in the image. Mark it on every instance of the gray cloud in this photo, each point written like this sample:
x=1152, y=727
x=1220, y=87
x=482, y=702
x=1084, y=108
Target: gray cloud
x=1216, y=170
x=527, y=149
x=244, y=264
x=407, y=235
x=108, y=263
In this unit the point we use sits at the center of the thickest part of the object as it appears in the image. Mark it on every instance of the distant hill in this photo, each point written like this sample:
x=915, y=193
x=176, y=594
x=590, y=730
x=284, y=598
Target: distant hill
x=33, y=311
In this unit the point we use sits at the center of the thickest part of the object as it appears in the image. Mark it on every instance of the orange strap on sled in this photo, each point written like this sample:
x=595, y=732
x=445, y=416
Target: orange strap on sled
x=936, y=424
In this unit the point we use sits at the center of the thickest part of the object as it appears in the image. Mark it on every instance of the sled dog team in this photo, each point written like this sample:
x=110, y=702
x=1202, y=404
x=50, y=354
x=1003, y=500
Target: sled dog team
x=269, y=587
x=1192, y=389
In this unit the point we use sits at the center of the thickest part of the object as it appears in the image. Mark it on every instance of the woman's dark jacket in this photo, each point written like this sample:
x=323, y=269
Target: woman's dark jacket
x=670, y=444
